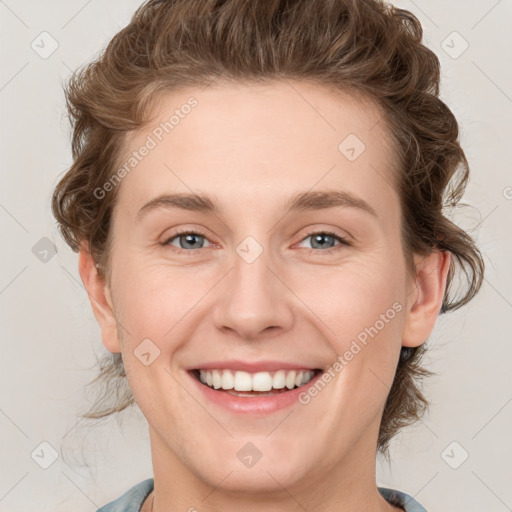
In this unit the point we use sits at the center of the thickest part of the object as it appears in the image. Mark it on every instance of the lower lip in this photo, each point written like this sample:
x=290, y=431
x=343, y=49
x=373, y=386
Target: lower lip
x=253, y=404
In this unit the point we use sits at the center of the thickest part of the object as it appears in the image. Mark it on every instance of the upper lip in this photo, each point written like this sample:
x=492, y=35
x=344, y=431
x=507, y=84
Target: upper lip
x=252, y=366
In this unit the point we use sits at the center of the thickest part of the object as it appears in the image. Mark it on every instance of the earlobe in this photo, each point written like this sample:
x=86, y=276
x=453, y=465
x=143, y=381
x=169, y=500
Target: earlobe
x=425, y=298
x=100, y=298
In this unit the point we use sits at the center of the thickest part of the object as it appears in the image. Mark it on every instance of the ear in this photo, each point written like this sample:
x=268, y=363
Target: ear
x=100, y=299
x=425, y=298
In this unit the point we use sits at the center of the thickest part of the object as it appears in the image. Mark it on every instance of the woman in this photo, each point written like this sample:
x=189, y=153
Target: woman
x=257, y=198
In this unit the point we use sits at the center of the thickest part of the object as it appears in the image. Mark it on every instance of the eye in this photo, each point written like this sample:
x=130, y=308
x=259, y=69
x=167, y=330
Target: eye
x=191, y=240
x=324, y=239
x=187, y=240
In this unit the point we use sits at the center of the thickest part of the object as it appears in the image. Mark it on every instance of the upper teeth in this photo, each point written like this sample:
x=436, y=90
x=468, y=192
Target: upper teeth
x=261, y=381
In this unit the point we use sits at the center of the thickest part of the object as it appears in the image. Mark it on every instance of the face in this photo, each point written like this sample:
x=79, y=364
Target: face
x=293, y=261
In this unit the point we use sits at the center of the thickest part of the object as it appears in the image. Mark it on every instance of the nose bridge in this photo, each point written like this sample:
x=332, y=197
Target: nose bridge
x=254, y=298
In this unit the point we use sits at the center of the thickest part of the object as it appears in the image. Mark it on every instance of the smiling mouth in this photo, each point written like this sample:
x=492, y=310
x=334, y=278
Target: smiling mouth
x=241, y=383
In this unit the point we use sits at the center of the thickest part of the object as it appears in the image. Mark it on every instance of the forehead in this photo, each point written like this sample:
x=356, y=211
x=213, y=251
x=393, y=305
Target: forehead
x=260, y=142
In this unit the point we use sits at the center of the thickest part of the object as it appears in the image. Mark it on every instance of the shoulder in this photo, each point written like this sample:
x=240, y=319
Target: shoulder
x=131, y=500
x=401, y=499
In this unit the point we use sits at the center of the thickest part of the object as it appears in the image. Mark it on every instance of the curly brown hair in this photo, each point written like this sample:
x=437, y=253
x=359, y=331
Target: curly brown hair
x=366, y=47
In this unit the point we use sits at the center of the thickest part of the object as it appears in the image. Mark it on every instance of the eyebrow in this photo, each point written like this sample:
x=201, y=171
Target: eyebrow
x=302, y=201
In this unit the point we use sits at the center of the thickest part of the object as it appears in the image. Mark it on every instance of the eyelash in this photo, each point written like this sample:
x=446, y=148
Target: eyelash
x=343, y=241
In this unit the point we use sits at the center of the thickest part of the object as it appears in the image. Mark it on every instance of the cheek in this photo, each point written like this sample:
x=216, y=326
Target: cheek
x=370, y=336
x=153, y=303
x=352, y=297
x=361, y=309
x=152, y=299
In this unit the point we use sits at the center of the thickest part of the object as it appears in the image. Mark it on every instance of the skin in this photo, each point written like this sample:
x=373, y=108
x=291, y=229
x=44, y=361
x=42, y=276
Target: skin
x=253, y=146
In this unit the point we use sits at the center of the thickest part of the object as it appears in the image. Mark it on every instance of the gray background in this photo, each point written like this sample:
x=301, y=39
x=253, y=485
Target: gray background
x=50, y=338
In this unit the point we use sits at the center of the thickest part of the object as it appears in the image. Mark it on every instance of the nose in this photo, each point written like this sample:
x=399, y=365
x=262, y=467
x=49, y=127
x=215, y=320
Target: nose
x=253, y=300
